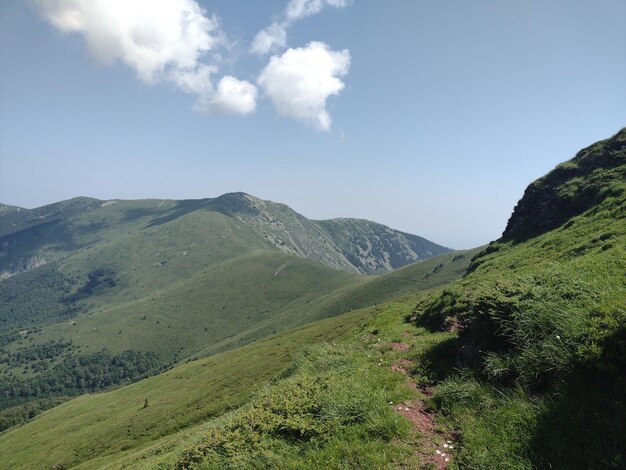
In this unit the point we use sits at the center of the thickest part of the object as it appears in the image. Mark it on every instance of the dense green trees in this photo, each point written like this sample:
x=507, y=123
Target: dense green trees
x=78, y=374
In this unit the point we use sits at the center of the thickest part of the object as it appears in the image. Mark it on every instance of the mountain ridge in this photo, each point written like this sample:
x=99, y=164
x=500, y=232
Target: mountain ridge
x=376, y=250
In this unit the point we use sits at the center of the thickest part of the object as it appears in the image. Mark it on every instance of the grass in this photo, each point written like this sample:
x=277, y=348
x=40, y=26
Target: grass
x=347, y=383
x=341, y=355
x=331, y=411
x=234, y=303
x=107, y=423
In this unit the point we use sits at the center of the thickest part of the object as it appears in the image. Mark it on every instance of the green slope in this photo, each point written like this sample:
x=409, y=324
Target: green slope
x=542, y=320
x=106, y=423
x=191, y=392
x=223, y=307
x=260, y=288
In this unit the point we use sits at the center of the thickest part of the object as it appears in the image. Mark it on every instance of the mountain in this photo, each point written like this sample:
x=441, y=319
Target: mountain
x=375, y=248
x=112, y=291
x=51, y=232
x=84, y=256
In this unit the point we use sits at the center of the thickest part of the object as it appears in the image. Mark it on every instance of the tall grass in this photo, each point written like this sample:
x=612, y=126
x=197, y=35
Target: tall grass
x=332, y=411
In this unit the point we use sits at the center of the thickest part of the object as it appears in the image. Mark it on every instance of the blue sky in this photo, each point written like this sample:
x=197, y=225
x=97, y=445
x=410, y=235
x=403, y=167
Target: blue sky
x=438, y=113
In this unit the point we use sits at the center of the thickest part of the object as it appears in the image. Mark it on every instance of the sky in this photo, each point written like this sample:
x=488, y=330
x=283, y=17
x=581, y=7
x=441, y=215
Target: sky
x=428, y=116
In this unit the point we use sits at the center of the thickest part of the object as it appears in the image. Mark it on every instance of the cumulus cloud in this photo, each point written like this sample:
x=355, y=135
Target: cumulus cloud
x=161, y=40
x=274, y=37
x=234, y=96
x=299, y=81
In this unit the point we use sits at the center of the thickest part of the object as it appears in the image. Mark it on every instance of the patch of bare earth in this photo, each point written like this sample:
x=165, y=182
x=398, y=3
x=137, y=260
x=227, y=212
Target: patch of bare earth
x=436, y=446
x=402, y=366
x=399, y=346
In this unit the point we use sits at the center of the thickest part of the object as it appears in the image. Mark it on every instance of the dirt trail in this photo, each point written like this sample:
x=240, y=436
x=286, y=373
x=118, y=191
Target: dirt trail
x=436, y=446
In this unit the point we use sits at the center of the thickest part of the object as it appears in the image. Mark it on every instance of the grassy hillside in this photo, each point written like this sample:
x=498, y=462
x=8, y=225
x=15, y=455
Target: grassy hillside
x=106, y=423
x=322, y=395
x=266, y=289
x=190, y=393
x=226, y=306
x=542, y=326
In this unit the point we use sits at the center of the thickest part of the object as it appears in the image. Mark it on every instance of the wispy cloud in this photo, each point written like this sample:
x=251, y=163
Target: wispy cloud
x=274, y=37
x=299, y=81
x=163, y=41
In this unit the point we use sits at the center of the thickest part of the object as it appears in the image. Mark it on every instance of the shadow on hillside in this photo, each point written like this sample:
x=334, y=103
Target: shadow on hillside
x=227, y=204
x=584, y=426
x=139, y=213
x=439, y=361
x=181, y=209
x=56, y=234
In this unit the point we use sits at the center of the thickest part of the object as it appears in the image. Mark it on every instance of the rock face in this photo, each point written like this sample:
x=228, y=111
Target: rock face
x=347, y=244
x=570, y=189
x=374, y=248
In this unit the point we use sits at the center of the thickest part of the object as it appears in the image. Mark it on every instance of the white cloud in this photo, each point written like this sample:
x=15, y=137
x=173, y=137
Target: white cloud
x=298, y=9
x=234, y=96
x=147, y=35
x=269, y=39
x=299, y=81
x=274, y=37
x=161, y=40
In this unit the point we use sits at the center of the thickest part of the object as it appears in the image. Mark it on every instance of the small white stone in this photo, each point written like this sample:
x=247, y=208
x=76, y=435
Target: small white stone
x=445, y=446
x=446, y=459
x=451, y=447
x=438, y=452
